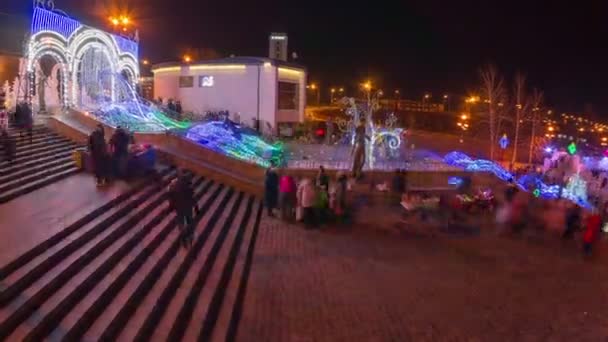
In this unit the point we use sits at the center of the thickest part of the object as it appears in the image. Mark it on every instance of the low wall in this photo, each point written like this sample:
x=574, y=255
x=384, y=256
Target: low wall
x=172, y=149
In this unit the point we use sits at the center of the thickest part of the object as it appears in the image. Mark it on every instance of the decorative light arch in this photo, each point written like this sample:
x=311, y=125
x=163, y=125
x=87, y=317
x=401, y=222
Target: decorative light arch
x=66, y=40
x=61, y=60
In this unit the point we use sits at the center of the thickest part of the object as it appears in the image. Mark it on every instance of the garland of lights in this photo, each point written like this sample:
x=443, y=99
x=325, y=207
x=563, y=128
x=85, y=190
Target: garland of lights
x=575, y=190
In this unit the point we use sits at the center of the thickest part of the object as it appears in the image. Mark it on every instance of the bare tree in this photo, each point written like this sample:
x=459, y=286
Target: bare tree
x=522, y=108
x=492, y=89
x=536, y=101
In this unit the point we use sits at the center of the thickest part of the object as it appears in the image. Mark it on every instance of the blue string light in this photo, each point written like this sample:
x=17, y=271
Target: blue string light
x=44, y=20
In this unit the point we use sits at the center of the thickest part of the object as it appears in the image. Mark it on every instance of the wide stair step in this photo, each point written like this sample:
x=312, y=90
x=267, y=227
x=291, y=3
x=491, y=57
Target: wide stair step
x=121, y=272
x=37, y=163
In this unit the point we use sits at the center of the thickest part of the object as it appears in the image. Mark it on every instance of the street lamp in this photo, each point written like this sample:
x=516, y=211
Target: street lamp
x=145, y=62
x=187, y=59
x=332, y=91
x=313, y=86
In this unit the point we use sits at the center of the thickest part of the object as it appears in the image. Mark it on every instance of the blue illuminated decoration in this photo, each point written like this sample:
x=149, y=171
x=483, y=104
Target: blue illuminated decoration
x=526, y=182
x=455, y=181
x=127, y=45
x=44, y=20
x=504, y=141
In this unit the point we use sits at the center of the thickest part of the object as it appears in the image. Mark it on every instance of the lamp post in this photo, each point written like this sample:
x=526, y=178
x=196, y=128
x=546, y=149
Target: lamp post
x=425, y=98
x=331, y=95
x=446, y=102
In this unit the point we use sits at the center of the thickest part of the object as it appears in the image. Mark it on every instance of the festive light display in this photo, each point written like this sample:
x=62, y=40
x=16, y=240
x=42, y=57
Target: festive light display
x=529, y=181
x=572, y=148
x=66, y=40
x=235, y=141
x=503, y=142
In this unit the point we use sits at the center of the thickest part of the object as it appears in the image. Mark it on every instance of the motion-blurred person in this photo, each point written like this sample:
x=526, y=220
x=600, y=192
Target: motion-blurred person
x=322, y=179
x=271, y=190
x=120, y=151
x=572, y=220
x=287, y=197
x=181, y=199
x=99, y=153
x=306, y=200
x=593, y=225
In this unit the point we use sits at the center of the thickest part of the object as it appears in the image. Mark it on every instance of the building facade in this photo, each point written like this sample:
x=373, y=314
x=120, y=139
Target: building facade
x=258, y=92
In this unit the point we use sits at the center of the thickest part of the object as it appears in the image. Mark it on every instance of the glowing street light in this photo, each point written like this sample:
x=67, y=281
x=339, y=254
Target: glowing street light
x=341, y=90
x=114, y=21
x=367, y=85
x=464, y=116
x=313, y=86
x=427, y=96
x=187, y=59
x=445, y=96
x=145, y=62
x=125, y=20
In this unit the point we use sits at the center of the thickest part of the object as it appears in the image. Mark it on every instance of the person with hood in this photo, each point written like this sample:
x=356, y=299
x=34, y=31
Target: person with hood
x=271, y=190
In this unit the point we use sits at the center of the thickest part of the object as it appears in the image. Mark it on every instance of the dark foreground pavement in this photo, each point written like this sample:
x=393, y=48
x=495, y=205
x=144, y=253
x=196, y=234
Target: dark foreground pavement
x=376, y=284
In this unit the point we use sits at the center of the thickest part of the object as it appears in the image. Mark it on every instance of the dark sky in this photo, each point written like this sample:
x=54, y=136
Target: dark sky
x=416, y=45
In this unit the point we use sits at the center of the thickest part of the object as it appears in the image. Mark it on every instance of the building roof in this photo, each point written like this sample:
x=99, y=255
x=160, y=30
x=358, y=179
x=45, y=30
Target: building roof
x=233, y=60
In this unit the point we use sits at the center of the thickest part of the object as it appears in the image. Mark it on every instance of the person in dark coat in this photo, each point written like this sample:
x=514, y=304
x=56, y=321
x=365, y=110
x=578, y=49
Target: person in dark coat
x=98, y=150
x=323, y=179
x=181, y=199
x=27, y=121
x=120, y=151
x=271, y=190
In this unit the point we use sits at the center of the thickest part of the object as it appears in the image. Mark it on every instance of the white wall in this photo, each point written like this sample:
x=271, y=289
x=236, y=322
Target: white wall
x=166, y=85
x=235, y=90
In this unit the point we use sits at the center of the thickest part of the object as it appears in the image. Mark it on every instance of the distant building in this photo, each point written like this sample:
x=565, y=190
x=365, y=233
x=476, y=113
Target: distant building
x=259, y=92
x=278, y=46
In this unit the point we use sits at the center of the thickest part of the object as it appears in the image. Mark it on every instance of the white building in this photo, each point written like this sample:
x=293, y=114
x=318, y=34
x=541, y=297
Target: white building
x=252, y=89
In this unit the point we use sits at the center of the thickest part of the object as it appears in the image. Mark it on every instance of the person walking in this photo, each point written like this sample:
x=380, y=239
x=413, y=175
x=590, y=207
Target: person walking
x=98, y=150
x=181, y=200
x=287, y=196
x=322, y=179
x=28, y=122
x=340, y=196
x=306, y=200
x=120, y=151
x=271, y=190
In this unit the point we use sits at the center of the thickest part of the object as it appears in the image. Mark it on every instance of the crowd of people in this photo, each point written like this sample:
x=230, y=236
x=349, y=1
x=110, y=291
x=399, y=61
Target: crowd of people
x=520, y=210
x=109, y=160
x=312, y=201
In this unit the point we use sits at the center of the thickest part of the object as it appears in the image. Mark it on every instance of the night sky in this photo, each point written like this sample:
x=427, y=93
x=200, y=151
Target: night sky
x=417, y=46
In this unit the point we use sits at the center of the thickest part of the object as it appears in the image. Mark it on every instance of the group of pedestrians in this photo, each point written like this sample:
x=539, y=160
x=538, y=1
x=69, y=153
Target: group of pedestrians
x=313, y=202
x=520, y=211
x=109, y=160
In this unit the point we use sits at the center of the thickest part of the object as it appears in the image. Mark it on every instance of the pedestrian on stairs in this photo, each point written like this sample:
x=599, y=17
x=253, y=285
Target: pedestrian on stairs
x=3, y=118
x=120, y=151
x=28, y=121
x=99, y=155
x=181, y=199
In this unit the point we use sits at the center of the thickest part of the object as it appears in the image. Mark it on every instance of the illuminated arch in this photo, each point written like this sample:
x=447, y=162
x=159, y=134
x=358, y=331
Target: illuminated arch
x=60, y=58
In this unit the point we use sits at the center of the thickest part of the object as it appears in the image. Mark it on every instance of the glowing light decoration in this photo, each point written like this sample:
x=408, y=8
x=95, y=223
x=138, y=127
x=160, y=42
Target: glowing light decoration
x=576, y=190
x=45, y=20
x=235, y=141
x=503, y=142
x=572, y=148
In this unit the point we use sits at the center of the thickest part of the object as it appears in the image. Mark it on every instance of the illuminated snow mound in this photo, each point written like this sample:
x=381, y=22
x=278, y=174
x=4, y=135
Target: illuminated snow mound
x=138, y=117
x=230, y=139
